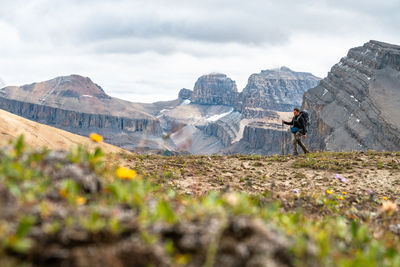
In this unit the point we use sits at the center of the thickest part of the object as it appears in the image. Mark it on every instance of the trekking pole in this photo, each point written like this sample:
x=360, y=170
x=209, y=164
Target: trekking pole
x=282, y=141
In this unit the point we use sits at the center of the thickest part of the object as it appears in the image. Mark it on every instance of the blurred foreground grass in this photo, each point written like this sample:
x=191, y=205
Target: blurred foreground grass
x=54, y=204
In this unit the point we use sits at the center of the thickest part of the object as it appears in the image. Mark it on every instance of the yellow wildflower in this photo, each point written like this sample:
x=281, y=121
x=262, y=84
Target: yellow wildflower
x=81, y=200
x=125, y=173
x=389, y=206
x=385, y=198
x=344, y=193
x=96, y=137
x=181, y=259
x=329, y=192
x=63, y=193
x=340, y=197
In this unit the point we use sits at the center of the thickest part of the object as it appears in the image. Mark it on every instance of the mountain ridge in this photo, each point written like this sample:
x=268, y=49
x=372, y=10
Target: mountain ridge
x=360, y=91
x=354, y=107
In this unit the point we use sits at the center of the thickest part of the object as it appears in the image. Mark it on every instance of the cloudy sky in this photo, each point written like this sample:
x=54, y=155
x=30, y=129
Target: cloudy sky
x=146, y=50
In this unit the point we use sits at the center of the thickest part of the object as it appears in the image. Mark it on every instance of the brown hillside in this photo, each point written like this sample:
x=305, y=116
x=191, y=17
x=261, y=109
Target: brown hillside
x=40, y=135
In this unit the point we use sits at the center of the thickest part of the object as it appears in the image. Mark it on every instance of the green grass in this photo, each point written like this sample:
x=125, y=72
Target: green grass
x=340, y=230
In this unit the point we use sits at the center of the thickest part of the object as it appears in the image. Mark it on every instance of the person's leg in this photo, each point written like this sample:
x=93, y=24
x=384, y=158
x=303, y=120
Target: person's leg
x=298, y=138
x=295, y=145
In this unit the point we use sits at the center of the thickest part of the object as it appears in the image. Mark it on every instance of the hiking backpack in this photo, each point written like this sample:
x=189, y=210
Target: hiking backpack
x=306, y=118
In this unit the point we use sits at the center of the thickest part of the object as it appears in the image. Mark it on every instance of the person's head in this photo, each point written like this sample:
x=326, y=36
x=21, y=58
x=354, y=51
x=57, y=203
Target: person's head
x=296, y=111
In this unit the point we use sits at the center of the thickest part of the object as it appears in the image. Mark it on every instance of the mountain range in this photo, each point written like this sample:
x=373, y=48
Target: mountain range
x=206, y=120
x=353, y=108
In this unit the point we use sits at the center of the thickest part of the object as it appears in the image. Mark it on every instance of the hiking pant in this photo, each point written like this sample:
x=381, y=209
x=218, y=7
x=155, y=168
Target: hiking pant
x=297, y=140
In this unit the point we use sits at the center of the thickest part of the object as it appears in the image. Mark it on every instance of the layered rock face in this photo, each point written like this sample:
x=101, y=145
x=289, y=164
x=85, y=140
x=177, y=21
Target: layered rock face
x=278, y=89
x=124, y=132
x=76, y=104
x=356, y=106
x=225, y=129
x=215, y=89
x=261, y=139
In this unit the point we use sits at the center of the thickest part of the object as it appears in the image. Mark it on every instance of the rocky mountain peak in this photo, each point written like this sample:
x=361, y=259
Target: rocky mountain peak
x=376, y=55
x=215, y=89
x=73, y=93
x=284, y=73
x=74, y=86
x=185, y=94
x=276, y=89
x=355, y=106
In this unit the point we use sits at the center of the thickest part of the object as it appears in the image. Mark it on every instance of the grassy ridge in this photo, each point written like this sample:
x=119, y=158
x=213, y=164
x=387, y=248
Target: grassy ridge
x=56, y=206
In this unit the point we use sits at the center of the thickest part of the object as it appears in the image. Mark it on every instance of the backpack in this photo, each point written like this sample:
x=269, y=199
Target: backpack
x=306, y=118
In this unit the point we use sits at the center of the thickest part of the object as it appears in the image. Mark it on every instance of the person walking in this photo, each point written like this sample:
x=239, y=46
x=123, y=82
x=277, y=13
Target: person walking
x=298, y=129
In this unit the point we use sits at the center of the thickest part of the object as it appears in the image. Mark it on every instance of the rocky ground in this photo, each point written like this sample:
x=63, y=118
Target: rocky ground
x=362, y=172
x=86, y=208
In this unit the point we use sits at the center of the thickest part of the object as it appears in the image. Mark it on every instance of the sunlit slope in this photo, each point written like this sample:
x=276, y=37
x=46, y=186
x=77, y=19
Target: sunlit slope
x=40, y=135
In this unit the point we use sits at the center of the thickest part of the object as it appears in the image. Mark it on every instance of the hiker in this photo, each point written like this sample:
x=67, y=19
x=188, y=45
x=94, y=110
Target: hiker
x=298, y=129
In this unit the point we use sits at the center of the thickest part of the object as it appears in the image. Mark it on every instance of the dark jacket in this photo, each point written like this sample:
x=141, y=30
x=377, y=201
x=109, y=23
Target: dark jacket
x=299, y=122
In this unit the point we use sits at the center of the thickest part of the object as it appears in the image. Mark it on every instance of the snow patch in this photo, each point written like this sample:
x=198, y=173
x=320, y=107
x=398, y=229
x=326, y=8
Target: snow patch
x=87, y=96
x=355, y=99
x=325, y=91
x=219, y=116
x=358, y=120
x=185, y=102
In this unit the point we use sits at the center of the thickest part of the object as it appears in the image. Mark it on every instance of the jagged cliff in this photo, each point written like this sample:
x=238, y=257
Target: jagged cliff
x=225, y=129
x=78, y=105
x=254, y=126
x=215, y=89
x=124, y=132
x=278, y=90
x=261, y=138
x=355, y=107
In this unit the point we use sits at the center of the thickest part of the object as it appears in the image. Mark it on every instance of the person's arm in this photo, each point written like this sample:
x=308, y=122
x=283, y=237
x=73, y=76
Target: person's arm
x=287, y=122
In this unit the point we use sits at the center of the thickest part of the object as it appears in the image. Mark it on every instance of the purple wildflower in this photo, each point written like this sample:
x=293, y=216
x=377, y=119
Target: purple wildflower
x=296, y=191
x=341, y=178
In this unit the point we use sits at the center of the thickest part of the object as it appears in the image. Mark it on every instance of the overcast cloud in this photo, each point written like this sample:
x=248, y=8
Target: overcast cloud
x=147, y=50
